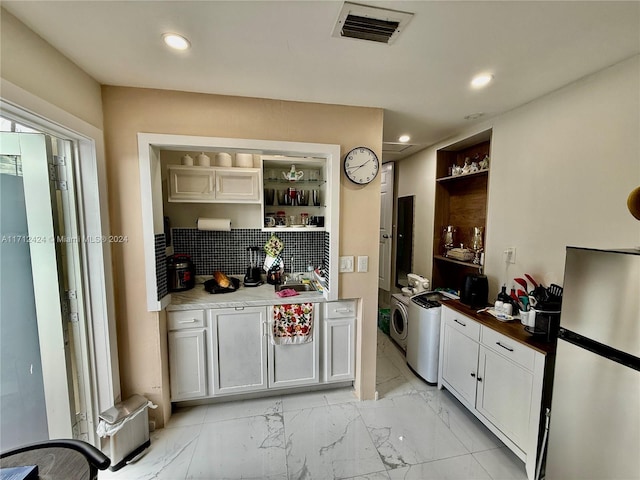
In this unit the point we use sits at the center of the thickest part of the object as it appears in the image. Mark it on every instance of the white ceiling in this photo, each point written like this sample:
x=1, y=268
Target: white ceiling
x=284, y=50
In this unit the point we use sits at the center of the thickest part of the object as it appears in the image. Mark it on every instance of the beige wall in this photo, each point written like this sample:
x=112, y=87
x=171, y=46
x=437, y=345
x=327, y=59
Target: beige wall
x=127, y=111
x=34, y=65
x=561, y=170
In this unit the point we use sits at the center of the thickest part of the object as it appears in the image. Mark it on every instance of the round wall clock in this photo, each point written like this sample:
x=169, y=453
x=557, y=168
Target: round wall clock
x=361, y=165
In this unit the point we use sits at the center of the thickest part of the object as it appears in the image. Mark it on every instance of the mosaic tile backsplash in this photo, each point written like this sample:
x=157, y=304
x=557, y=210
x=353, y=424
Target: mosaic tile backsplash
x=161, y=265
x=226, y=251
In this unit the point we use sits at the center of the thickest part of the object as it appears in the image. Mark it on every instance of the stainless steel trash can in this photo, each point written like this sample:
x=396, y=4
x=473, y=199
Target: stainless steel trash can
x=127, y=428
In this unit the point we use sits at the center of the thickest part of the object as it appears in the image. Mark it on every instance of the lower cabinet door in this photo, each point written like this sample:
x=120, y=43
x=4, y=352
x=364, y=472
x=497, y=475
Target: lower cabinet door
x=291, y=365
x=460, y=362
x=239, y=350
x=504, y=395
x=339, y=355
x=187, y=364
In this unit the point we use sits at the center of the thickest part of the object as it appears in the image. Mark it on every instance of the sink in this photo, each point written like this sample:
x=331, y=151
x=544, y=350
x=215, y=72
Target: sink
x=298, y=287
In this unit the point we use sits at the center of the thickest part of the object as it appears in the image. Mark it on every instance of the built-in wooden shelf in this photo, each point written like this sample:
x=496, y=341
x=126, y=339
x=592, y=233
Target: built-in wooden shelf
x=460, y=201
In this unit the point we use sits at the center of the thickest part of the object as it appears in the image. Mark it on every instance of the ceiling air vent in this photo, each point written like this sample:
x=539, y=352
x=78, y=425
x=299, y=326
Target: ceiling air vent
x=394, y=147
x=370, y=23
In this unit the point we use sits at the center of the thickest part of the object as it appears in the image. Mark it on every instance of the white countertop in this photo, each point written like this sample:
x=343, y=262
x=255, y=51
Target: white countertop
x=265, y=294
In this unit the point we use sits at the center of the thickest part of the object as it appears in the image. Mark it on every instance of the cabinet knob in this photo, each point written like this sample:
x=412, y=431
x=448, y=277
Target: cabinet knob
x=473, y=375
x=479, y=379
x=385, y=236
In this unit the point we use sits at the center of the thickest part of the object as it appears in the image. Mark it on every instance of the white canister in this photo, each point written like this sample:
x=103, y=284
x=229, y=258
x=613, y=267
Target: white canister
x=187, y=160
x=244, y=160
x=223, y=159
x=203, y=160
x=528, y=318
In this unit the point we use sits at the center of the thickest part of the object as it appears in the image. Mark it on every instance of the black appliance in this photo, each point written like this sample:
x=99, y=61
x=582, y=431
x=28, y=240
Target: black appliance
x=475, y=290
x=181, y=273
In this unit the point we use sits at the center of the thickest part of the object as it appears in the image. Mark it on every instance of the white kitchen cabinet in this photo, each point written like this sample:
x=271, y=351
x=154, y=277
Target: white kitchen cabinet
x=339, y=341
x=187, y=366
x=187, y=355
x=239, y=359
x=191, y=184
x=213, y=184
x=238, y=185
x=499, y=379
x=504, y=394
x=294, y=365
x=460, y=362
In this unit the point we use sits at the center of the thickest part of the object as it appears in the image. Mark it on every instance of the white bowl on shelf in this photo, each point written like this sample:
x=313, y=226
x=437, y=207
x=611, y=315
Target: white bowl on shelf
x=244, y=160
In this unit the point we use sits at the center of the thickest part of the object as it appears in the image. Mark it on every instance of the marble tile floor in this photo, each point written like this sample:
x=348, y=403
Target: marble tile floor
x=414, y=431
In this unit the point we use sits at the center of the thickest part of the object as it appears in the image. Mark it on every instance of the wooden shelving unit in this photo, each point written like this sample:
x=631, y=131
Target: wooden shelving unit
x=461, y=201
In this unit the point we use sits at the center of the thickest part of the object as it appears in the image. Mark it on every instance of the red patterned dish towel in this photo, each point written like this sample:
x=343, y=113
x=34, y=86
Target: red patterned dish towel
x=292, y=324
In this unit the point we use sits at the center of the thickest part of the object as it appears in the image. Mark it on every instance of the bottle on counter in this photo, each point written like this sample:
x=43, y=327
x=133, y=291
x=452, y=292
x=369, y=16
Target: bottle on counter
x=503, y=296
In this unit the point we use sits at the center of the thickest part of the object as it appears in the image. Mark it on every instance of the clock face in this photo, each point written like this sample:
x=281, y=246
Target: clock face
x=361, y=165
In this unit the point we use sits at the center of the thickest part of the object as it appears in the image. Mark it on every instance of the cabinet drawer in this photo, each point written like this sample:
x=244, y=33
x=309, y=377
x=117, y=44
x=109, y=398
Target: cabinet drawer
x=462, y=323
x=185, y=319
x=340, y=309
x=509, y=348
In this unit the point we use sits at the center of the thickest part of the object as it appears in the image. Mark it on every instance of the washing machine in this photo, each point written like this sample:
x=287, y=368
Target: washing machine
x=423, y=336
x=399, y=323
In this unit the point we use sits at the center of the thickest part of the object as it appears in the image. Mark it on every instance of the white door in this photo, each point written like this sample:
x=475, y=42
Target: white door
x=504, y=395
x=339, y=349
x=294, y=365
x=239, y=349
x=460, y=362
x=238, y=185
x=188, y=364
x=40, y=292
x=191, y=184
x=386, y=226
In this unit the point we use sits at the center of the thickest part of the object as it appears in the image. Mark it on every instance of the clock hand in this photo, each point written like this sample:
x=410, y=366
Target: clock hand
x=359, y=166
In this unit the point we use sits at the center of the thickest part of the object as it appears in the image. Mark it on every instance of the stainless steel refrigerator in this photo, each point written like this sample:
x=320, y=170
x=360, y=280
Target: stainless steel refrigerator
x=594, y=430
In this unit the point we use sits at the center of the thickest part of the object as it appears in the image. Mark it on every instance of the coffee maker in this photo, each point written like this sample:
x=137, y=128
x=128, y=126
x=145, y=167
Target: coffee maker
x=253, y=277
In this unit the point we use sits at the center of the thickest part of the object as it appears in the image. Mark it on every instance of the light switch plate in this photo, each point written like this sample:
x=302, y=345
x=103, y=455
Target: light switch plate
x=346, y=264
x=363, y=263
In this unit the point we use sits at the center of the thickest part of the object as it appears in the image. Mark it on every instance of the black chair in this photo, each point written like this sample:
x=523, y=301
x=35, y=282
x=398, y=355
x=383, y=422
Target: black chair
x=64, y=459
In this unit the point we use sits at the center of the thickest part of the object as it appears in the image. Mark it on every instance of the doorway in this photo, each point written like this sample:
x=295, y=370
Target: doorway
x=404, y=241
x=386, y=226
x=45, y=378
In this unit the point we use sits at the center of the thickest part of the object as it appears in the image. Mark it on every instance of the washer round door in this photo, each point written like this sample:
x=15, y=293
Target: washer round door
x=399, y=322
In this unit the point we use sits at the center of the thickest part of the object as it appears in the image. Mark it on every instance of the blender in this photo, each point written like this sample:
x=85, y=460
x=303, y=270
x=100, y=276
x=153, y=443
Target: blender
x=253, y=277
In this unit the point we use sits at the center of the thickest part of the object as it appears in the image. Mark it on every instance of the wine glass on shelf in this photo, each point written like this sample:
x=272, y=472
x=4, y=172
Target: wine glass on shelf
x=448, y=238
x=476, y=243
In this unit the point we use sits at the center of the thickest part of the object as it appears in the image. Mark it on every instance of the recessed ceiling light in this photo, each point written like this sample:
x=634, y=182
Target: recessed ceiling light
x=404, y=138
x=175, y=41
x=481, y=80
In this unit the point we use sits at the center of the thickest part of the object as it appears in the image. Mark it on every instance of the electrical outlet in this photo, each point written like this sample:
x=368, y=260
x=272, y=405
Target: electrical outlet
x=363, y=263
x=346, y=264
x=510, y=255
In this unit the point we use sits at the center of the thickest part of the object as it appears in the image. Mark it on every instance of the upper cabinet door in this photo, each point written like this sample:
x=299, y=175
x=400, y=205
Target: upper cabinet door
x=214, y=185
x=191, y=184
x=238, y=185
